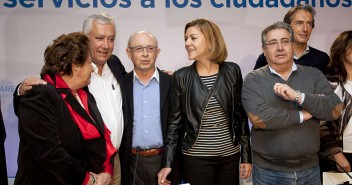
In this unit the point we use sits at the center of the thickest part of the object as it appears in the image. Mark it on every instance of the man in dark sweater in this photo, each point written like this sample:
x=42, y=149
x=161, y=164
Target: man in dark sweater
x=301, y=20
x=285, y=103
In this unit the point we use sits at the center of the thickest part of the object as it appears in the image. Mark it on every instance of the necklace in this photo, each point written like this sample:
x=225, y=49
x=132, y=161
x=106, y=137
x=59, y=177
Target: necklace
x=79, y=100
x=81, y=103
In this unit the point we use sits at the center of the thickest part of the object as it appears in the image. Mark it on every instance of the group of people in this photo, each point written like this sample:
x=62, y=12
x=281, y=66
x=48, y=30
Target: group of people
x=88, y=121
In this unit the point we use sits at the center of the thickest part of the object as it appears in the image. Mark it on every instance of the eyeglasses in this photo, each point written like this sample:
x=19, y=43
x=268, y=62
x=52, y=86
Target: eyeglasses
x=275, y=44
x=140, y=49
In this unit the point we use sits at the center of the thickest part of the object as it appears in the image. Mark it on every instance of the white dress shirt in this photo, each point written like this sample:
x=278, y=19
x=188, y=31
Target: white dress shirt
x=107, y=93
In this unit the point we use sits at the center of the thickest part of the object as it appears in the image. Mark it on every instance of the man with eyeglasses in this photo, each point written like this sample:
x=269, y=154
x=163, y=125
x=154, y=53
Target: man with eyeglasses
x=148, y=101
x=301, y=20
x=285, y=103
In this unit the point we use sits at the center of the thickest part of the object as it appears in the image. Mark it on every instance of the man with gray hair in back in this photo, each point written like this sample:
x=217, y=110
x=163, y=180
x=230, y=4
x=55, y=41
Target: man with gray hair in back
x=285, y=103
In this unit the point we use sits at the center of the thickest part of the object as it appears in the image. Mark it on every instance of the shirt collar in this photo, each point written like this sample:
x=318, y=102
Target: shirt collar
x=294, y=68
x=304, y=53
x=106, y=69
x=155, y=75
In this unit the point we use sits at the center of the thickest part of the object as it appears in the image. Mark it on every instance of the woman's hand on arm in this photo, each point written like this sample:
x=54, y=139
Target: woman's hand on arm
x=162, y=176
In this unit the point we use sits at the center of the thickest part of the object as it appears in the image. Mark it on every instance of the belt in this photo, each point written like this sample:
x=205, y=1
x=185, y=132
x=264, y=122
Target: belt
x=147, y=152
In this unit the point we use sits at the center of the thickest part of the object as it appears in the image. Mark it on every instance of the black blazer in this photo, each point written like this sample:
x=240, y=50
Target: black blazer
x=52, y=149
x=125, y=149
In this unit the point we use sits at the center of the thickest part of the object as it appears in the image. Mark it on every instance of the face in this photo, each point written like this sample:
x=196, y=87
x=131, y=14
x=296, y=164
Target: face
x=278, y=49
x=196, y=44
x=82, y=73
x=348, y=57
x=302, y=26
x=143, y=52
x=101, y=39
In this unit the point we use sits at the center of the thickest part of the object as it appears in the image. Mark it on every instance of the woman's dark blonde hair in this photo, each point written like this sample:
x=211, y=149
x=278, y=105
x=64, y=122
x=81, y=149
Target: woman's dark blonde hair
x=338, y=51
x=65, y=50
x=214, y=39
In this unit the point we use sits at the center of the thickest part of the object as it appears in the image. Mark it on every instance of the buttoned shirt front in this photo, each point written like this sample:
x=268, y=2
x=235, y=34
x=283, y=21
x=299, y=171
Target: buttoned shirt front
x=107, y=93
x=147, y=131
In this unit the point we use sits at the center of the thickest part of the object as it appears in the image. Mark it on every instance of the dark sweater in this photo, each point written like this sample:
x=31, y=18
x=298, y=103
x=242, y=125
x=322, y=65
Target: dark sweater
x=315, y=58
x=285, y=144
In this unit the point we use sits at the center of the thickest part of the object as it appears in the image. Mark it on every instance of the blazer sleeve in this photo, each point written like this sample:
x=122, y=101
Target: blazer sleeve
x=242, y=120
x=174, y=121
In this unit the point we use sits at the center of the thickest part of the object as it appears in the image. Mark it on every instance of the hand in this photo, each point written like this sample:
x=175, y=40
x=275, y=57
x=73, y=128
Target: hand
x=162, y=176
x=28, y=83
x=245, y=170
x=168, y=72
x=306, y=115
x=92, y=180
x=103, y=178
x=341, y=159
x=285, y=91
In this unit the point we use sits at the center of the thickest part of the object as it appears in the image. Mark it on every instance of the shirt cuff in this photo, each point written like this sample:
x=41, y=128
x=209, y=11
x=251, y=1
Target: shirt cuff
x=302, y=98
x=300, y=117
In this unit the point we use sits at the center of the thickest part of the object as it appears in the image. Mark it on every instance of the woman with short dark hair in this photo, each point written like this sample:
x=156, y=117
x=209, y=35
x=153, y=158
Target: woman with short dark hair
x=63, y=139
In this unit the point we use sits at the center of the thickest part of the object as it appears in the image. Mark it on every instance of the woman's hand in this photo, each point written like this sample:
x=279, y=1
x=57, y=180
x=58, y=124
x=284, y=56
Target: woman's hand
x=103, y=178
x=162, y=176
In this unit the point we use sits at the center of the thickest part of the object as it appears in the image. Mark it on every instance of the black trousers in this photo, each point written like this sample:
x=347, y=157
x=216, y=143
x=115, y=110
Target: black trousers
x=147, y=169
x=212, y=170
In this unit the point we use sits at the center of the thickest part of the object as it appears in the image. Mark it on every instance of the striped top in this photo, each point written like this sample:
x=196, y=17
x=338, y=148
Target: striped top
x=214, y=138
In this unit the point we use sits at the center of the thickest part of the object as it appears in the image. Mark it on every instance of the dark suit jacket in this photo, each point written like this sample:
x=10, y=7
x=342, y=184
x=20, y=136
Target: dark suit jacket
x=3, y=170
x=52, y=149
x=125, y=149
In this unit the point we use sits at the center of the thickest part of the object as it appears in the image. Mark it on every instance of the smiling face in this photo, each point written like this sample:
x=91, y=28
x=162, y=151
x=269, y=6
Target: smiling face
x=143, y=51
x=196, y=44
x=302, y=26
x=101, y=39
x=281, y=52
